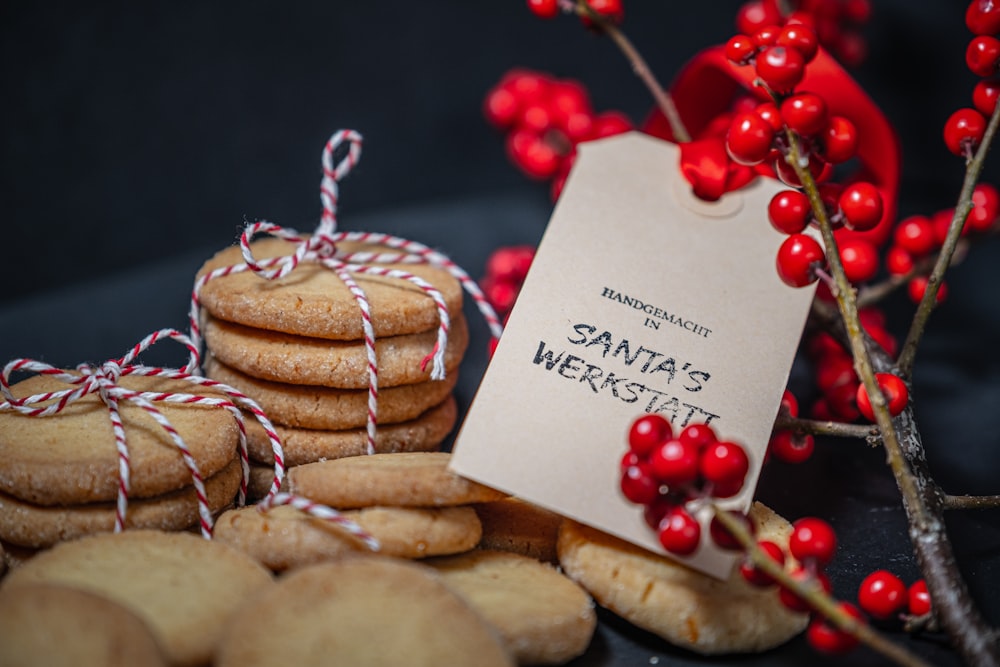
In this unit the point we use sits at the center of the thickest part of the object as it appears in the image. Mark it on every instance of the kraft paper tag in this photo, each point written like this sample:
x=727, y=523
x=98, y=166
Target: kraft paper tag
x=641, y=298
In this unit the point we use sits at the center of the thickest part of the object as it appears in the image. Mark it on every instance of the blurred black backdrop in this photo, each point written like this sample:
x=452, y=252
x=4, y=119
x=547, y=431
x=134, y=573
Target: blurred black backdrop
x=135, y=131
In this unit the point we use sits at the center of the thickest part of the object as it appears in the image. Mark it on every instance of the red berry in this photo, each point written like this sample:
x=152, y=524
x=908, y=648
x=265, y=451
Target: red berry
x=545, y=9
x=675, y=462
x=740, y=50
x=612, y=10
x=861, y=205
x=882, y=594
x=752, y=16
x=770, y=113
x=721, y=535
x=629, y=459
x=983, y=55
x=759, y=577
x=647, y=433
x=500, y=293
x=789, y=404
x=510, y=263
x=798, y=258
x=725, y=466
x=501, y=107
x=860, y=260
x=680, y=533
x=792, y=600
x=983, y=17
x=985, y=208
x=918, y=598
x=812, y=539
x=893, y=389
x=915, y=235
x=766, y=35
x=963, y=131
x=789, y=211
x=800, y=37
x=805, y=113
x=780, y=68
x=638, y=485
x=827, y=638
x=532, y=154
x=984, y=96
x=610, y=123
x=701, y=435
x=526, y=86
x=792, y=447
x=819, y=169
x=839, y=140
x=898, y=261
x=918, y=285
x=941, y=221
x=654, y=512
x=749, y=139
x=835, y=370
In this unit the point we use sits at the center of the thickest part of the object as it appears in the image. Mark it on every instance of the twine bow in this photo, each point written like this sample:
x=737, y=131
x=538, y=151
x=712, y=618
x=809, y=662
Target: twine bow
x=321, y=248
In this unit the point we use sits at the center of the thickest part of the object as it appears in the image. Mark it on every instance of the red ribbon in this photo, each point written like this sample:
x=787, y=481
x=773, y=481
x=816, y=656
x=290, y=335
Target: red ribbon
x=706, y=89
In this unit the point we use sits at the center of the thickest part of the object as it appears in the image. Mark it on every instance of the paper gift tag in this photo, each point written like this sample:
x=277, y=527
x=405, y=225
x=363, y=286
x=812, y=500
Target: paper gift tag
x=641, y=298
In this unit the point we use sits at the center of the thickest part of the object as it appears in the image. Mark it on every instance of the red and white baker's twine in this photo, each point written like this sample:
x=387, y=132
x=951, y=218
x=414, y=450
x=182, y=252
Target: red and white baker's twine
x=321, y=248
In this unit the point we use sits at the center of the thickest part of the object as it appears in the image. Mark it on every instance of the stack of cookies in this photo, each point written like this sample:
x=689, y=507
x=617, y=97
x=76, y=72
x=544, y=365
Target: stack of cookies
x=296, y=346
x=59, y=474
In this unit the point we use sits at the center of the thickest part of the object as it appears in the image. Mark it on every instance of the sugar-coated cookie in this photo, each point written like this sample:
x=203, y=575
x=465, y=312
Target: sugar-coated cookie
x=404, y=479
x=181, y=585
x=302, y=406
x=38, y=526
x=61, y=626
x=302, y=445
x=14, y=555
x=681, y=605
x=515, y=525
x=313, y=301
x=70, y=457
x=544, y=617
x=283, y=537
x=259, y=483
x=360, y=610
x=281, y=357
x=3, y=561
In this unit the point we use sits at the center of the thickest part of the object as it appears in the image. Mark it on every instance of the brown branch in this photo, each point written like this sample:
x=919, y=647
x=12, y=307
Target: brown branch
x=831, y=428
x=950, y=502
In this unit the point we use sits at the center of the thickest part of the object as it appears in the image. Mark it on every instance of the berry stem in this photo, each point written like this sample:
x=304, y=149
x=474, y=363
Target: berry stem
x=950, y=502
x=875, y=292
x=972, y=171
x=641, y=69
x=828, y=428
x=815, y=596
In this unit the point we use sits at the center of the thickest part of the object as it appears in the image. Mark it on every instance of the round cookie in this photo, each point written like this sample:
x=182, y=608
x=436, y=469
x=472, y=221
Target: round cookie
x=3, y=561
x=515, y=525
x=15, y=555
x=183, y=587
x=284, y=538
x=684, y=607
x=313, y=301
x=361, y=610
x=39, y=526
x=259, y=483
x=543, y=617
x=325, y=408
x=405, y=479
x=301, y=445
x=281, y=357
x=61, y=626
x=70, y=457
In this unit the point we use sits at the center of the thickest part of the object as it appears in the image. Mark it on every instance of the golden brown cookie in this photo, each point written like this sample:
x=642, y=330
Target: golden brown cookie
x=681, y=605
x=404, y=479
x=3, y=561
x=281, y=357
x=71, y=458
x=302, y=406
x=515, y=525
x=543, y=616
x=313, y=301
x=360, y=610
x=62, y=626
x=283, y=537
x=259, y=483
x=184, y=587
x=301, y=445
x=39, y=526
x=15, y=555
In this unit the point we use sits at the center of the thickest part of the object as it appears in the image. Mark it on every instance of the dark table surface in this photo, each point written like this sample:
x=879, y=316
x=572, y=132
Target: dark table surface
x=957, y=389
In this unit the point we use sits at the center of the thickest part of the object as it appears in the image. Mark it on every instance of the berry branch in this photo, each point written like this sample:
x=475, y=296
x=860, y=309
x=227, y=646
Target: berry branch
x=828, y=428
x=950, y=502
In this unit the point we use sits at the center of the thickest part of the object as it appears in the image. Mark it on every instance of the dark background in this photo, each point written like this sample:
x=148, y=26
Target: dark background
x=136, y=139
x=134, y=131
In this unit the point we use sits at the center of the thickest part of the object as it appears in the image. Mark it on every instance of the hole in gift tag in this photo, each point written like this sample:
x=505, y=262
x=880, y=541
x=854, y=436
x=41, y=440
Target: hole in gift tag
x=729, y=205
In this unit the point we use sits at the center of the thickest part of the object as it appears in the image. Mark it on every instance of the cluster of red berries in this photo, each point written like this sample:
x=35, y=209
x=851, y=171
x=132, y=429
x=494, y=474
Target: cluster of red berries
x=883, y=596
x=964, y=129
x=545, y=118
x=506, y=269
x=789, y=445
x=918, y=236
x=668, y=474
x=836, y=23
x=843, y=397
x=612, y=10
x=759, y=135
